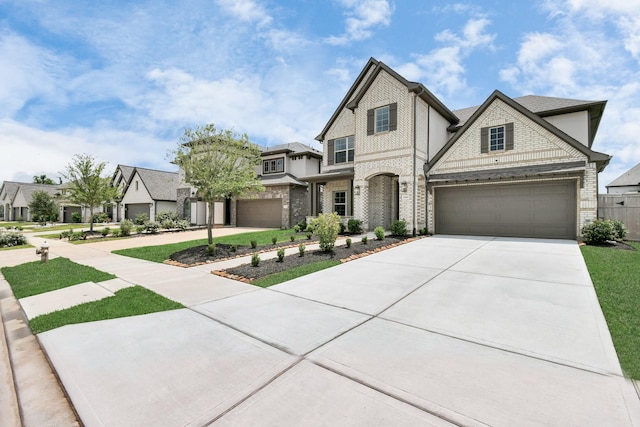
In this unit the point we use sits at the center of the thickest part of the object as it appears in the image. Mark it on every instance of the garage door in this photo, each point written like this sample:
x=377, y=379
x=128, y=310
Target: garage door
x=259, y=213
x=545, y=210
x=67, y=214
x=134, y=209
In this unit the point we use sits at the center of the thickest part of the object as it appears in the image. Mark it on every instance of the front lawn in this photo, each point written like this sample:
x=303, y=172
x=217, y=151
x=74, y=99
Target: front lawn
x=616, y=276
x=35, y=278
x=126, y=302
x=161, y=253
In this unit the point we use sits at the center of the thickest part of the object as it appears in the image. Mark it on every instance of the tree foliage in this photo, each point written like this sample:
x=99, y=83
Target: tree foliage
x=87, y=187
x=219, y=164
x=43, y=207
x=42, y=179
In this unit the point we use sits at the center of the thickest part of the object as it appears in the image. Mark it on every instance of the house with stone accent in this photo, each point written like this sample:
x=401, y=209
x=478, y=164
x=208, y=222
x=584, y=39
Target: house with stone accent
x=509, y=167
x=284, y=202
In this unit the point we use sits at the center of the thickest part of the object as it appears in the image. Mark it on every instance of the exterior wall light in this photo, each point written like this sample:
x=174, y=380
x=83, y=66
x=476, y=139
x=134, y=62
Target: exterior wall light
x=357, y=190
x=403, y=186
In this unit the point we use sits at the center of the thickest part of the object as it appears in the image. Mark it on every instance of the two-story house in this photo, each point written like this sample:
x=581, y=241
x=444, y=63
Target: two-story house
x=510, y=167
x=284, y=202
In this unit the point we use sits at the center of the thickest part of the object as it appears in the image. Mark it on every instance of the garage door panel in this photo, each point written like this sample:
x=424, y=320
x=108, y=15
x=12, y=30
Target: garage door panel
x=522, y=210
x=259, y=213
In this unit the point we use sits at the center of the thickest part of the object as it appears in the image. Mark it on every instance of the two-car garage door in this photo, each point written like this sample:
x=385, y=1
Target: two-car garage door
x=542, y=209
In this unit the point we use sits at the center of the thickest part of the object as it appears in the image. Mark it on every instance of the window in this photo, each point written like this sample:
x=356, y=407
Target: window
x=496, y=138
x=382, y=119
x=340, y=203
x=273, y=166
x=344, y=149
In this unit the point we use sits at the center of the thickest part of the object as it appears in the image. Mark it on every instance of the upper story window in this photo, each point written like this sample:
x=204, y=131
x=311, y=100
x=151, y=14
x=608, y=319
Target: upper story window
x=273, y=166
x=344, y=149
x=496, y=138
x=382, y=119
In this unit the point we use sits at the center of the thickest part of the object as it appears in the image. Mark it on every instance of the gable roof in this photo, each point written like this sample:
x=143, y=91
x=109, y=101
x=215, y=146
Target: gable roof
x=545, y=106
x=10, y=188
x=600, y=159
x=414, y=87
x=126, y=171
x=160, y=185
x=629, y=178
x=28, y=190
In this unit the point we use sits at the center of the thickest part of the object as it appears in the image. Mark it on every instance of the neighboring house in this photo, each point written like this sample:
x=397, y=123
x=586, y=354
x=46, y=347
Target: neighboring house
x=16, y=196
x=628, y=182
x=120, y=178
x=7, y=193
x=284, y=202
x=510, y=167
x=147, y=191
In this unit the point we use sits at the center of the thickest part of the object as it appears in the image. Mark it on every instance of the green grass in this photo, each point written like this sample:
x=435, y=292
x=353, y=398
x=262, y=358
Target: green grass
x=615, y=275
x=126, y=302
x=163, y=252
x=35, y=278
x=10, y=248
x=303, y=270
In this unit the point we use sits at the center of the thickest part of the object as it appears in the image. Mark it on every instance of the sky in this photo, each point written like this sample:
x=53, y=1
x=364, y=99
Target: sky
x=121, y=80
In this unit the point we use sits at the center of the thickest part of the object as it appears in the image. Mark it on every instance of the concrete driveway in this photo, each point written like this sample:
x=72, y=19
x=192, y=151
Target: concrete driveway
x=442, y=331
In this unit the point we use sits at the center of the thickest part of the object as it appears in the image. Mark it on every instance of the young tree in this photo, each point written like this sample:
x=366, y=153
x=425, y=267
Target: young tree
x=43, y=207
x=219, y=164
x=87, y=186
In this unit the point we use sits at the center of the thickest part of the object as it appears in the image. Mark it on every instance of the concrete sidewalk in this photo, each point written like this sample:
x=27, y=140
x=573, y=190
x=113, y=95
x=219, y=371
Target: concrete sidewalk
x=441, y=331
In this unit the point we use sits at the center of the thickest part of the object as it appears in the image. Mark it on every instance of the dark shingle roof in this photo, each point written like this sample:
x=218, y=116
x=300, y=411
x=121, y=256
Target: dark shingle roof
x=29, y=189
x=11, y=189
x=292, y=148
x=630, y=177
x=161, y=185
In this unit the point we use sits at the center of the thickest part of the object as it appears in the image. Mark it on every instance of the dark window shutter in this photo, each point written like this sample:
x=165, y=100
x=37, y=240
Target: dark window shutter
x=370, y=124
x=484, y=140
x=508, y=130
x=330, y=151
x=393, y=116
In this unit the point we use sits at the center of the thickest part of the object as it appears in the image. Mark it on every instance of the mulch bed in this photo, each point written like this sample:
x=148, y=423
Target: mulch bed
x=247, y=273
x=614, y=245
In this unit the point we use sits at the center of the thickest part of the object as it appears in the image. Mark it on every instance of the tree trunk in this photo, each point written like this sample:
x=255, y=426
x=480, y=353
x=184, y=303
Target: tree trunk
x=90, y=219
x=210, y=222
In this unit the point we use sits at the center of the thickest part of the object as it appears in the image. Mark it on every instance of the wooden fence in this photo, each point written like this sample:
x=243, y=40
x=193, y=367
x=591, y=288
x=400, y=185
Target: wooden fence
x=624, y=208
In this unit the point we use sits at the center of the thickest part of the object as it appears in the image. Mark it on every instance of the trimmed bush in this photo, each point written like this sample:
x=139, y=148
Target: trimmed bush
x=234, y=248
x=101, y=217
x=348, y=243
x=292, y=238
x=309, y=235
x=255, y=260
x=166, y=216
x=126, y=226
x=141, y=218
x=8, y=240
x=167, y=224
x=619, y=229
x=212, y=250
x=254, y=244
x=365, y=240
x=342, y=228
x=354, y=226
x=598, y=232
x=181, y=224
x=296, y=228
x=423, y=231
x=399, y=227
x=78, y=235
x=274, y=240
x=301, y=249
x=280, y=255
x=105, y=232
x=326, y=226
x=151, y=227
x=379, y=232
x=76, y=217
x=139, y=229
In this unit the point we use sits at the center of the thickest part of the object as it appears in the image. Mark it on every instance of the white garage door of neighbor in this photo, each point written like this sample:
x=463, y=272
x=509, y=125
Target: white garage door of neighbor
x=542, y=210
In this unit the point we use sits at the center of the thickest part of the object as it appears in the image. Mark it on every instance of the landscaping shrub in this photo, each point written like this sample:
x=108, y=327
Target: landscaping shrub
x=365, y=240
x=78, y=235
x=125, y=227
x=181, y=224
x=254, y=244
x=619, y=229
x=296, y=228
x=101, y=217
x=76, y=217
x=115, y=233
x=301, y=249
x=166, y=216
x=326, y=226
x=105, y=232
x=342, y=228
x=234, y=248
x=354, y=226
x=280, y=255
x=66, y=234
x=598, y=232
x=423, y=231
x=309, y=235
x=292, y=238
x=379, y=232
x=141, y=218
x=274, y=240
x=348, y=243
x=8, y=240
x=167, y=224
x=399, y=227
x=302, y=225
x=151, y=227
x=212, y=250
x=255, y=260
x=139, y=229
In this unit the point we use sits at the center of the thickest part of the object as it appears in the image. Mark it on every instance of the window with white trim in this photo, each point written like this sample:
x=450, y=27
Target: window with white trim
x=340, y=202
x=344, y=149
x=496, y=138
x=382, y=119
x=273, y=166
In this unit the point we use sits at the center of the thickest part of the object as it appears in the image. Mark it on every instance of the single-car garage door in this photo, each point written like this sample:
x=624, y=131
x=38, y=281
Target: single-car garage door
x=543, y=209
x=259, y=213
x=132, y=210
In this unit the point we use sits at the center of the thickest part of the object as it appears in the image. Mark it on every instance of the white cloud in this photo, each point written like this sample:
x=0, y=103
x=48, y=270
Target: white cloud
x=246, y=10
x=362, y=17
